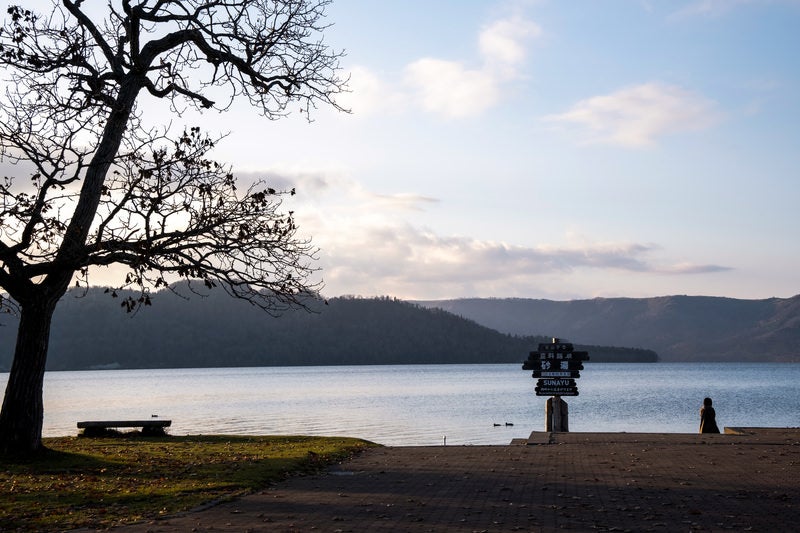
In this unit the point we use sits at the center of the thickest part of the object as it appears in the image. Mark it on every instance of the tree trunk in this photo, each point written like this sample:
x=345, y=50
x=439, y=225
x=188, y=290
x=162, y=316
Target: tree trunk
x=23, y=407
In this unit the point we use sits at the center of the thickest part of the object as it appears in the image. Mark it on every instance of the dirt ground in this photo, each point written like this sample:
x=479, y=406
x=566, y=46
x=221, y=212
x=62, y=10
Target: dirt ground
x=748, y=481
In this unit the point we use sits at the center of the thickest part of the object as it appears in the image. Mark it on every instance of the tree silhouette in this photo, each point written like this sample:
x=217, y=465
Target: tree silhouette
x=104, y=189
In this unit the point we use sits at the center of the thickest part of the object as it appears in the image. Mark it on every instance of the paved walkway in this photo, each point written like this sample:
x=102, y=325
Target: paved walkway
x=551, y=482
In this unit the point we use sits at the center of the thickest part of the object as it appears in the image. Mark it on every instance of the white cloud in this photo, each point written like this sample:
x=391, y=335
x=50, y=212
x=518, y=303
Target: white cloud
x=411, y=262
x=403, y=201
x=449, y=89
x=369, y=246
x=502, y=43
x=690, y=268
x=636, y=116
x=369, y=94
x=446, y=87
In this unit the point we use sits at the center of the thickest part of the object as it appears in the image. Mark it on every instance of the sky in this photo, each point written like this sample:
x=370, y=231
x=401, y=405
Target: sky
x=546, y=149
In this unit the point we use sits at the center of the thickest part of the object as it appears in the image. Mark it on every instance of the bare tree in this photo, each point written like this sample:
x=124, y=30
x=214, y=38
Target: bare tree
x=104, y=189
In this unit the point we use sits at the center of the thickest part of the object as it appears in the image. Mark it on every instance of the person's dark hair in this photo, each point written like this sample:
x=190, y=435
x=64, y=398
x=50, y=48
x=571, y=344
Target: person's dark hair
x=707, y=401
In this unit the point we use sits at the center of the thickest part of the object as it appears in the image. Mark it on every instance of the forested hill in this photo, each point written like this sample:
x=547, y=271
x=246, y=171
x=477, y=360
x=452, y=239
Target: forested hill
x=216, y=331
x=679, y=328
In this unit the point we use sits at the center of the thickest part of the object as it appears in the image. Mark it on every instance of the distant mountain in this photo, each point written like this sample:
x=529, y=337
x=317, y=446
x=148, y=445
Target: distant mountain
x=92, y=331
x=679, y=328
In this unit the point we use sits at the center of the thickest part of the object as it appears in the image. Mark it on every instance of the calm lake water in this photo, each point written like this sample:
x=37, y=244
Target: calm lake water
x=422, y=404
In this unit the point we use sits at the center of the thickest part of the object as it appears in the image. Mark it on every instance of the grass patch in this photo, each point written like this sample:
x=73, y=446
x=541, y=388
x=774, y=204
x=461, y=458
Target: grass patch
x=85, y=482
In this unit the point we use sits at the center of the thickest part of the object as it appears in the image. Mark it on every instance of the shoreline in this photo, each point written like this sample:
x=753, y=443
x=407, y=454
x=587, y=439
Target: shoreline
x=745, y=479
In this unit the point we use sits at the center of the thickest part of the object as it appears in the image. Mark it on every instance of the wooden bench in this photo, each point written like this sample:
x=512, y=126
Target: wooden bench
x=150, y=427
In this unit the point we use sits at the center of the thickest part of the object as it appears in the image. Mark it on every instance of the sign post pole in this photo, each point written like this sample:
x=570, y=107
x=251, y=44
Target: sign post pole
x=556, y=415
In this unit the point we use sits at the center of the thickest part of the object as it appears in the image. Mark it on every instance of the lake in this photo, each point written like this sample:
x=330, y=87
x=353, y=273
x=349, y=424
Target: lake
x=422, y=404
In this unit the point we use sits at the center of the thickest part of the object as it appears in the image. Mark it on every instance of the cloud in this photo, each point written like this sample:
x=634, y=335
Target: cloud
x=411, y=262
x=403, y=201
x=333, y=194
x=19, y=172
x=449, y=88
x=502, y=43
x=369, y=94
x=689, y=268
x=370, y=246
x=307, y=183
x=636, y=116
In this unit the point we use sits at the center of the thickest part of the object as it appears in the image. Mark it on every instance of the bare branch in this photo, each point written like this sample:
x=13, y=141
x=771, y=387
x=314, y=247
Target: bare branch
x=94, y=187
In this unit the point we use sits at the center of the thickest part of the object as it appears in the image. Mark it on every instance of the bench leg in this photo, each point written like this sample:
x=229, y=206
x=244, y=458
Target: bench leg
x=95, y=432
x=153, y=431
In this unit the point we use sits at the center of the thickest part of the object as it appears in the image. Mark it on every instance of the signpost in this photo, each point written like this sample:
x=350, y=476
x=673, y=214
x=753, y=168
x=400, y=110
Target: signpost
x=556, y=365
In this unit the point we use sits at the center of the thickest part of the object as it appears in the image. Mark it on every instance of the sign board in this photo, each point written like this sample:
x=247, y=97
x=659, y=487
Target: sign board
x=556, y=374
x=560, y=356
x=549, y=364
x=557, y=391
x=556, y=347
x=552, y=364
x=556, y=382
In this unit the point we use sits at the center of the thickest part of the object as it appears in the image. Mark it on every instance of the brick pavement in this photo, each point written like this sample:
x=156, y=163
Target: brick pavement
x=551, y=482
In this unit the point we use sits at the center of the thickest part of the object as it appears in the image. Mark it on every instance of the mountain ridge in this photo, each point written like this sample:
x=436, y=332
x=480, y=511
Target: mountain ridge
x=91, y=330
x=215, y=330
x=679, y=328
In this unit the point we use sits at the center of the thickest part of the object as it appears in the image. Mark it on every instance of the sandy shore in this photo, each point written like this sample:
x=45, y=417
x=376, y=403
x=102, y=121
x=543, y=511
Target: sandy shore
x=749, y=481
